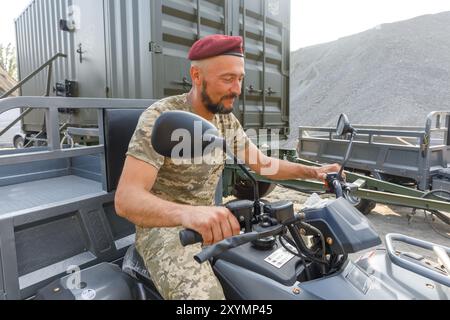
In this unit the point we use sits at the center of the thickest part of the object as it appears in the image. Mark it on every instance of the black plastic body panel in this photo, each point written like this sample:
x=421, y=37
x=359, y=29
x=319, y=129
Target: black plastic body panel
x=247, y=257
x=346, y=227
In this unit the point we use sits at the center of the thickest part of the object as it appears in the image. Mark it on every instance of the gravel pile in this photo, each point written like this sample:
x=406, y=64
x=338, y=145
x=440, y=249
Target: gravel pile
x=394, y=74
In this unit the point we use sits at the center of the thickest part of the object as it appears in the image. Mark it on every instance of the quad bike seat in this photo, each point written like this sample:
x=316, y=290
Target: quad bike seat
x=134, y=265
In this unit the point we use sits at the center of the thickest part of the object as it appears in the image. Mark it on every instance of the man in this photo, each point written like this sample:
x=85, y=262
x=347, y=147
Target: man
x=161, y=197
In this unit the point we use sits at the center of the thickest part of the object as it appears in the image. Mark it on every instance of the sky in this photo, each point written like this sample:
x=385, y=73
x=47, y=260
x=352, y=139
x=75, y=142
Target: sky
x=312, y=22
x=319, y=21
x=9, y=12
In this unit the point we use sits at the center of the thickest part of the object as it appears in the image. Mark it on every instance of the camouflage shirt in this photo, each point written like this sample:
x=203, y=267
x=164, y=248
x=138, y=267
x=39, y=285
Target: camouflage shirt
x=189, y=183
x=173, y=268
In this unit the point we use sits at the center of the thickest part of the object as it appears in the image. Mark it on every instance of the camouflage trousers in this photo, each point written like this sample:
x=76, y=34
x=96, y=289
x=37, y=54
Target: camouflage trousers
x=175, y=273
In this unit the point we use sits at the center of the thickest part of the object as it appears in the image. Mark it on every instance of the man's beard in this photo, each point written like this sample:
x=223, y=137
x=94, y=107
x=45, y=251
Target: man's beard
x=215, y=108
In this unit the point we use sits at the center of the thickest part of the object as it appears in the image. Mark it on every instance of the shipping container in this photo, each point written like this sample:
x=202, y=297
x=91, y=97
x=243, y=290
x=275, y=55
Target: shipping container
x=138, y=49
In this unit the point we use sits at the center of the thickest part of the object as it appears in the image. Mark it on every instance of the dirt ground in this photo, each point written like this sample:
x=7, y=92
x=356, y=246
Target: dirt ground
x=385, y=219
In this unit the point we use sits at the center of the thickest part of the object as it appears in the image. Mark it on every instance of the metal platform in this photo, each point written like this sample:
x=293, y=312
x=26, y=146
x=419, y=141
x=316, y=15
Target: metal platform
x=47, y=192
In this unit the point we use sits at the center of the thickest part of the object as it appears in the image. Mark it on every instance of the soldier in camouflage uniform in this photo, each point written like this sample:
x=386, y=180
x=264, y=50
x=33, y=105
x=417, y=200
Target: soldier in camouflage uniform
x=162, y=197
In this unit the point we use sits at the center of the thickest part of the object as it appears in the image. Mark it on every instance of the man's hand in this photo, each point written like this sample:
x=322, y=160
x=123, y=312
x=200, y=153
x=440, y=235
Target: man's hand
x=213, y=223
x=324, y=170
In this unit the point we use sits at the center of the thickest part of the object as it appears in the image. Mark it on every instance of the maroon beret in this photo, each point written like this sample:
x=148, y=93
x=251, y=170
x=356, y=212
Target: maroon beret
x=216, y=45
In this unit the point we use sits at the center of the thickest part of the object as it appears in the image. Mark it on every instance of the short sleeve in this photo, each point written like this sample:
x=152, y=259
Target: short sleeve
x=140, y=146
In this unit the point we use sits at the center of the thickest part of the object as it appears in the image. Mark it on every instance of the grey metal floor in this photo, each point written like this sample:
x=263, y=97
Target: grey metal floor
x=37, y=193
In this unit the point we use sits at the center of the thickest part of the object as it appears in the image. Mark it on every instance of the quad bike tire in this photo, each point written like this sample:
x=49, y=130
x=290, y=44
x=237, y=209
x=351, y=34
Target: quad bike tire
x=19, y=142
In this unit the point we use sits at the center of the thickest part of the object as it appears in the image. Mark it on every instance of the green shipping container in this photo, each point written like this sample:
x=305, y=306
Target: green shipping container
x=138, y=49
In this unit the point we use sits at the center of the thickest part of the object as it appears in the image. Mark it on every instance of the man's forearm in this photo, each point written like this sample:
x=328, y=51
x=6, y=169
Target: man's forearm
x=147, y=210
x=276, y=169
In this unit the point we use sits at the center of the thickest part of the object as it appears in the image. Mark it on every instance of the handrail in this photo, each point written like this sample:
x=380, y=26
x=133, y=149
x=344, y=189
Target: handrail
x=30, y=76
x=51, y=105
x=55, y=150
x=415, y=266
x=72, y=103
x=391, y=128
x=364, y=132
x=407, y=131
x=48, y=64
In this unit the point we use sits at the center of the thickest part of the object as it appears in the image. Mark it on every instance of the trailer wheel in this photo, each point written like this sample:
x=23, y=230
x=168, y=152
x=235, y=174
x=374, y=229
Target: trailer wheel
x=363, y=205
x=366, y=206
x=19, y=142
x=243, y=189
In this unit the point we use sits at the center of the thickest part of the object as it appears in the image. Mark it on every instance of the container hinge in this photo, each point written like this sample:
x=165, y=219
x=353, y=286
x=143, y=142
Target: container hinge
x=155, y=48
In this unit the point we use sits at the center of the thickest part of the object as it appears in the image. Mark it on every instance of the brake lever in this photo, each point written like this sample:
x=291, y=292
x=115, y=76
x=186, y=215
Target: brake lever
x=351, y=187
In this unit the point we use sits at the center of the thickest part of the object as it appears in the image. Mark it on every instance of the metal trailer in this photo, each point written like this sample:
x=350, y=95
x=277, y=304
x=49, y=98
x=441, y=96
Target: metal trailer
x=57, y=201
x=137, y=49
x=420, y=155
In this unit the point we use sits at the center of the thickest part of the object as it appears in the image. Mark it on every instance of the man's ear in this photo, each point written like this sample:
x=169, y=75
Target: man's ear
x=196, y=76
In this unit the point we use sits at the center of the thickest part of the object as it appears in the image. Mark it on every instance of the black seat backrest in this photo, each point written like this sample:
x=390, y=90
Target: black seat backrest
x=120, y=125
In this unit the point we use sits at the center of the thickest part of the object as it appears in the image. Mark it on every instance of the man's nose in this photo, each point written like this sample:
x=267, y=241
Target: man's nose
x=237, y=87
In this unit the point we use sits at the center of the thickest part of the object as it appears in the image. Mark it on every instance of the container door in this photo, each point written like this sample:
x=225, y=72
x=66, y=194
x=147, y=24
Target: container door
x=176, y=25
x=128, y=60
x=90, y=48
x=265, y=25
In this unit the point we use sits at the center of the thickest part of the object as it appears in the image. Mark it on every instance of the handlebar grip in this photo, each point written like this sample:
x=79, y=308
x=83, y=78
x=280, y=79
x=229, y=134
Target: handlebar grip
x=189, y=237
